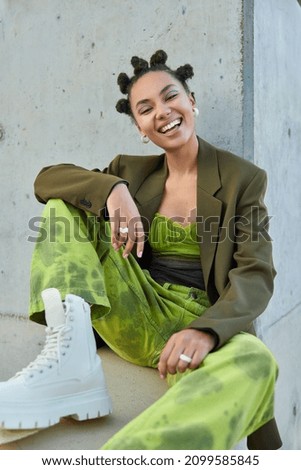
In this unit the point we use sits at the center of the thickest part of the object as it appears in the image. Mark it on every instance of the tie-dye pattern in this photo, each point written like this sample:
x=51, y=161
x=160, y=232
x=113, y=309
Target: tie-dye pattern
x=228, y=397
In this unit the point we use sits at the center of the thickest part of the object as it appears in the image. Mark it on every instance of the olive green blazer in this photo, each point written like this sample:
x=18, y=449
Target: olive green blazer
x=232, y=221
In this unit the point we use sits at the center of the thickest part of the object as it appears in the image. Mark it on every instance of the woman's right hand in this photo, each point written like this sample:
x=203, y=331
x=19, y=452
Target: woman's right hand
x=123, y=213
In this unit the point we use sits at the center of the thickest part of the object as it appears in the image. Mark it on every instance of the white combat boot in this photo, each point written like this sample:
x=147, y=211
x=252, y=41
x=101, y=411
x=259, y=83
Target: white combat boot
x=66, y=379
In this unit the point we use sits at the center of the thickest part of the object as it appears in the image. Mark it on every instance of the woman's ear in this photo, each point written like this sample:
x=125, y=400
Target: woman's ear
x=141, y=133
x=139, y=129
x=192, y=98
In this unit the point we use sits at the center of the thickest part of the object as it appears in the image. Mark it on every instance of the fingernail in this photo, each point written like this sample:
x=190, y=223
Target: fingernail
x=140, y=254
x=125, y=255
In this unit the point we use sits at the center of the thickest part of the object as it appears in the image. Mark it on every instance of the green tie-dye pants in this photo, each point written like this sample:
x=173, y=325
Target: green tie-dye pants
x=227, y=398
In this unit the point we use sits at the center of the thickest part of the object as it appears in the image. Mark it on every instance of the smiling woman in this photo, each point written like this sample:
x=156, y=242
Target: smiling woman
x=176, y=274
x=163, y=111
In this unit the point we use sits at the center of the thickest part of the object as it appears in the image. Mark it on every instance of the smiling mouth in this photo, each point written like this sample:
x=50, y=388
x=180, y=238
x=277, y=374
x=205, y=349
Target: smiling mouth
x=171, y=126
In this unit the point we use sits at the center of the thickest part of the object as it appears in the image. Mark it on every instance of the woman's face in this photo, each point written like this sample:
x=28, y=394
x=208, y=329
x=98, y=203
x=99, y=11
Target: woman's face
x=163, y=110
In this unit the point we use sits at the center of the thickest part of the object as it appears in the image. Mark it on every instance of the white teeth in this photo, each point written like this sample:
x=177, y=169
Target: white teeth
x=169, y=126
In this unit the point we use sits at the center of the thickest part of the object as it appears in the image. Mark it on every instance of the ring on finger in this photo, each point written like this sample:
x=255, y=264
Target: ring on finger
x=123, y=230
x=185, y=358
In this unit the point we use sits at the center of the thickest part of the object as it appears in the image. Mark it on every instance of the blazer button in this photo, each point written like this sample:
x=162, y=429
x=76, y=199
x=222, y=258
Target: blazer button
x=86, y=203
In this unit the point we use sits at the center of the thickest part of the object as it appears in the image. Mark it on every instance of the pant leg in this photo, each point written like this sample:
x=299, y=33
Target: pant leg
x=228, y=397
x=65, y=257
x=131, y=312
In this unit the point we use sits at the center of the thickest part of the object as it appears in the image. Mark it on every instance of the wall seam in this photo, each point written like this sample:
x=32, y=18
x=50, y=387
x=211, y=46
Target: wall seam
x=248, y=79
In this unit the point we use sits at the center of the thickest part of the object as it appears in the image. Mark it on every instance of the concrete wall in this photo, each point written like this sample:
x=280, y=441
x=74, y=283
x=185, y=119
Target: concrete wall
x=277, y=143
x=59, y=64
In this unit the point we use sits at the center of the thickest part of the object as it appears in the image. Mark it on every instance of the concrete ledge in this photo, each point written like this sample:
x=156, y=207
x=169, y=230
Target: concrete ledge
x=132, y=389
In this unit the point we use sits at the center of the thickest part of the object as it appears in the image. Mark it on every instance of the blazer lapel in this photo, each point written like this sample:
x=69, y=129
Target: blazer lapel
x=149, y=195
x=208, y=207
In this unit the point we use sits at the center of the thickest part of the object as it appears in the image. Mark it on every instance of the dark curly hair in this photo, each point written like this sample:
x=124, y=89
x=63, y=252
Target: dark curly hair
x=141, y=67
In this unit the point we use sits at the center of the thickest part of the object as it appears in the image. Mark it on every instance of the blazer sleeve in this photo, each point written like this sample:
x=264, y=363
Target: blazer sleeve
x=250, y=280
x=85, y=189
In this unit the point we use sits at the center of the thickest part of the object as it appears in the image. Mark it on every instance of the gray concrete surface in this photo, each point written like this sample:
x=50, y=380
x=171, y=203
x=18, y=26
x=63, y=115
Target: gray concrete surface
x=59, y=66
x=277, y=143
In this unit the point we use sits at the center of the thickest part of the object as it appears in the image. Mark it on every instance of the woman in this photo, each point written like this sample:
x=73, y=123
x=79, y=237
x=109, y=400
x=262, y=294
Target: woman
x=172, y=254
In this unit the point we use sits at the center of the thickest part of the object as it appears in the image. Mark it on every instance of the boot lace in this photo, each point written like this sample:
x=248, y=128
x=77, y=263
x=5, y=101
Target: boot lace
x=57, y=340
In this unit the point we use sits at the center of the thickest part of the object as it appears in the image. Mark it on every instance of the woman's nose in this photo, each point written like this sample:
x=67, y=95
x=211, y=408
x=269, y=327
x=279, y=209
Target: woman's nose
x=163, y=110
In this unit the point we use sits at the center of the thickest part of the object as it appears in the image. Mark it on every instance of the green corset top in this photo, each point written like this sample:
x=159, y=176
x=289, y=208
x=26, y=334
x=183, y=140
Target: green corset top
x=169, y=238
x=176, y=253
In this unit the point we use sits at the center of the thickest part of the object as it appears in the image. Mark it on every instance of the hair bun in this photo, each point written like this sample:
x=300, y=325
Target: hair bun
x=123, y=81
x=185, y=71
x=157, y=63
x=158, y=58
x=123, y=106
x=140, y=65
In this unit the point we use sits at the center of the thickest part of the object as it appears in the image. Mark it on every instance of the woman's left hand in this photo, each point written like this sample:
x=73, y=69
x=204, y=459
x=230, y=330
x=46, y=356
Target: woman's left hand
x=192, y=343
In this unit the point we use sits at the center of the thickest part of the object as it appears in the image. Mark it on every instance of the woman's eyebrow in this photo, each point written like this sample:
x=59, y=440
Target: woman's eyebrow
x=146, y=100
x=166, y=88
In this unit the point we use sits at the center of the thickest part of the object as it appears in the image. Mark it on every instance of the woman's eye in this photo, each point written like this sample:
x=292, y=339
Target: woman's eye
x=170, y=96
x=144, y=110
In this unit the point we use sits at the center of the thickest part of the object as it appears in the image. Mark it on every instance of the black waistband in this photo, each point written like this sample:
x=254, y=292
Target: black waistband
x=176, y=270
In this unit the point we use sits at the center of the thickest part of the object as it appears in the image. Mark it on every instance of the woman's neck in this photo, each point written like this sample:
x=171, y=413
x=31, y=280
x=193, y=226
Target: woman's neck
x=183, y=160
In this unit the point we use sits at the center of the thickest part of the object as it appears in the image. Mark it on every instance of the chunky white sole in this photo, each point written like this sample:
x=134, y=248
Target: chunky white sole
x=44, y=413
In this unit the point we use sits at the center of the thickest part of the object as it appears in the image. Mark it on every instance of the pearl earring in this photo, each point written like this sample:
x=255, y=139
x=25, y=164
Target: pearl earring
x=196, y=112
x=144, y=139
